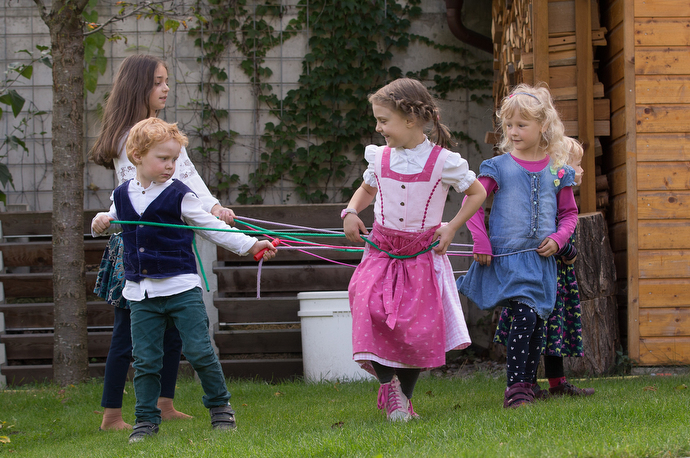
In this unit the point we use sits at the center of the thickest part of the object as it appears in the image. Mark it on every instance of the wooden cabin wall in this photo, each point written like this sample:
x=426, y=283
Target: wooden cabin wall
x=645, y=72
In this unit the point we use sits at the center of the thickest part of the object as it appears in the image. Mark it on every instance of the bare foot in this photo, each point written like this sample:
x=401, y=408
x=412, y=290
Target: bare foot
x=168, y=411
x=112, y=420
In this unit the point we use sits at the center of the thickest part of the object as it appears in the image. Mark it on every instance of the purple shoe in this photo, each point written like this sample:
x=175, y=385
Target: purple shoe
x=518, y=395
x=539, y=393
x=565, y=388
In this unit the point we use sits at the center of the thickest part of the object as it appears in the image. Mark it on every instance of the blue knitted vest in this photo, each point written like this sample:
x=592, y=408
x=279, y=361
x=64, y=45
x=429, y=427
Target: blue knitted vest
x=151, y=251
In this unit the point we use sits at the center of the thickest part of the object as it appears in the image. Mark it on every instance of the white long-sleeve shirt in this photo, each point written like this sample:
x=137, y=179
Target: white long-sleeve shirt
x=193, y=215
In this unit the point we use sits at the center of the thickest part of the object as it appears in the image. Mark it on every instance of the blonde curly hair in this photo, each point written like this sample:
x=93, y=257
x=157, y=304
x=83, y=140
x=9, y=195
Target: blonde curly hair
x=575, y=150
x=535, y=103
x=151, y=132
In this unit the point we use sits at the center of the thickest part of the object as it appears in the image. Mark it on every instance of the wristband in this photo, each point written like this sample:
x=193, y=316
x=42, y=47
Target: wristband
x=568, y=252
x=344, y=213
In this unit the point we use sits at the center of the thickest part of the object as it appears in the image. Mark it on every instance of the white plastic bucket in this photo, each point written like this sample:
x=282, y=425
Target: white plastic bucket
x=327, y=337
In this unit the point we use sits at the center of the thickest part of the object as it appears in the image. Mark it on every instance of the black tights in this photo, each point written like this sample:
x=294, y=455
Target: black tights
x=524, y=344
x=553, y=367
x=408, y=377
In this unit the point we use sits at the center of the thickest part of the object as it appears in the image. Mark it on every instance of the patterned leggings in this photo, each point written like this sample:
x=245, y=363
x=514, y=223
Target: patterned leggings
x=524, y=344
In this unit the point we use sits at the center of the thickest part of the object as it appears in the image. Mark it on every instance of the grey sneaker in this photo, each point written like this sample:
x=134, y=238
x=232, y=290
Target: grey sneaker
x=223, y=417
x=142, y=430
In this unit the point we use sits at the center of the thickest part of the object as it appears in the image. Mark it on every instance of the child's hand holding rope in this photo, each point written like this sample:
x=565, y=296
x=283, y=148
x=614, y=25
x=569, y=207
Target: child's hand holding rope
x=101, y=223
x=270, y=252
x=353, y=227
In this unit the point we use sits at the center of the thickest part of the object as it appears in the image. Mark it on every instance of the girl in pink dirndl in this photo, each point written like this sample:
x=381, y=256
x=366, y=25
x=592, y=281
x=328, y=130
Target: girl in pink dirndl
x=406, y=313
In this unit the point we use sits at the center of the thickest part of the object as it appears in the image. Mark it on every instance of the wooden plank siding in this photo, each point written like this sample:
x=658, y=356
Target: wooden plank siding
x=616, y=153
x=662, y=31
x=664, y=351
x=664, y=293
x=664, y=234
x=646, y=75
x=665, y=118
x=663, y=60
x=661, y=8
x=654, y=176
x=661, y=147
x=39, y=315
x=658, y=89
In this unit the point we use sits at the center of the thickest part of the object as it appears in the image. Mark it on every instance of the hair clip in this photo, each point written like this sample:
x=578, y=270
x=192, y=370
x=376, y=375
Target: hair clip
x=524, y=93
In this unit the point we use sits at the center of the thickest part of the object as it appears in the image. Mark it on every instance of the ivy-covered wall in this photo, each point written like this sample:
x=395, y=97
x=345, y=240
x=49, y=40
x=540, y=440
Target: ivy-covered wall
x=272, y=93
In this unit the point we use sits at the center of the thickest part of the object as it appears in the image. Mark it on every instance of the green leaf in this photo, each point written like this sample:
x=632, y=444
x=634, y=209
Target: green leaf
x=98, y=39
x=14, y=100
x=101, y=64
x=46, y=61
x=90, y=16
x=171, y=24
x=349, y=55
x=91, y=79
x=26, y=71
x=5, y=176
x=90, y=50
x=14, y=143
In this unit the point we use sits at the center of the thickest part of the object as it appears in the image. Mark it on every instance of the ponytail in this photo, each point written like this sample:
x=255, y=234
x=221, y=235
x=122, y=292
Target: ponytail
x=440, y=133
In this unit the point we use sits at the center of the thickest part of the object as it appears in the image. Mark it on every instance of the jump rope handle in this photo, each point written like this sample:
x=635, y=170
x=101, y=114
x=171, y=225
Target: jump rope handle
x=260, y=254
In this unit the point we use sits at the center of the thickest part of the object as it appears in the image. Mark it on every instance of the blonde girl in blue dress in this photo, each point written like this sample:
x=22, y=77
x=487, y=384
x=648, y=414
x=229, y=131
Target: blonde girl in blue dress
x=563, y=329
x=515, y=265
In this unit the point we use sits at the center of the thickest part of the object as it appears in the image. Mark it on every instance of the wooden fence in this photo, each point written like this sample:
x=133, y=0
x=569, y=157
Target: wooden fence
x=255, y=338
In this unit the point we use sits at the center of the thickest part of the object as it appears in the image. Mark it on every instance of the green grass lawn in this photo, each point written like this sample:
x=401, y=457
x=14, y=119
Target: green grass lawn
x=627, y=417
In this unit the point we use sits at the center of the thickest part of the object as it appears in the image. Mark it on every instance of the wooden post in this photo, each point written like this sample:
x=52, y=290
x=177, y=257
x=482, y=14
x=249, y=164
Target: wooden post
x=540, y=36
x=629, y=80
x=585, y=102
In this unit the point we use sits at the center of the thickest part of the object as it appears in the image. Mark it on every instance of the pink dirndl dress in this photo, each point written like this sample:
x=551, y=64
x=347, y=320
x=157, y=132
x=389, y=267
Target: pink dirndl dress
x=406, y=312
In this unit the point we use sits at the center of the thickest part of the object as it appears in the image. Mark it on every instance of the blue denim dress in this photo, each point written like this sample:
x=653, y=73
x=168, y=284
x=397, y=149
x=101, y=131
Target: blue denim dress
x=523, y=214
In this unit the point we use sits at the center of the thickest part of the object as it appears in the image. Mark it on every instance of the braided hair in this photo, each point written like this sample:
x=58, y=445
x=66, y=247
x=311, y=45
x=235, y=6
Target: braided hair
x=412, y=99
